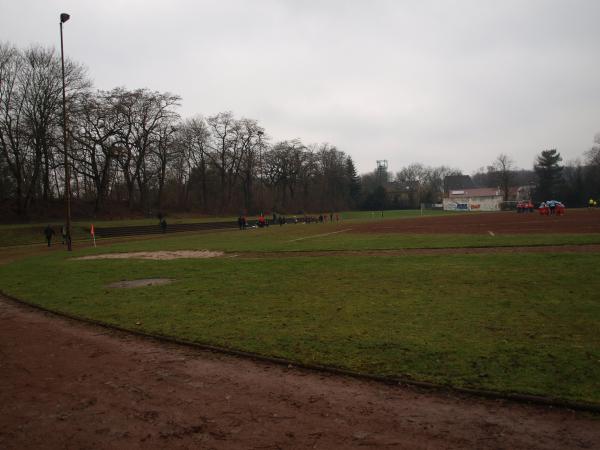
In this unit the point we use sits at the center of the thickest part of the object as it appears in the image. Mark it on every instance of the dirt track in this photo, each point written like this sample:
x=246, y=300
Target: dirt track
x=64, y=384
x=574, y=221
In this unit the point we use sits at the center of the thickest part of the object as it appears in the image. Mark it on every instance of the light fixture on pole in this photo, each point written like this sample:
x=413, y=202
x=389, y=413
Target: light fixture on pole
x=63, y=18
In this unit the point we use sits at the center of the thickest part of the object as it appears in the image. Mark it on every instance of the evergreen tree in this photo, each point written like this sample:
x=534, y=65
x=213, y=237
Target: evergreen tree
x=549, y=174
x=354, y=186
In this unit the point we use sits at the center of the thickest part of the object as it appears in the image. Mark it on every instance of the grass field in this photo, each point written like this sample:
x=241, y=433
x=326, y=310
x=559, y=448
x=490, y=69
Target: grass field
x=32, y=233
x=527, y=323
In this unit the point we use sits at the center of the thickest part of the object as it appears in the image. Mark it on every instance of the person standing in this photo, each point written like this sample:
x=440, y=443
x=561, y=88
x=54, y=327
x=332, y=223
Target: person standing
x=48, y=232
x=63, y=233
x=163, y=225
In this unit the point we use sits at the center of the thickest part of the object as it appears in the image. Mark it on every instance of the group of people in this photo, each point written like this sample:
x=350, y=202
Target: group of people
x=551, y=208
x=525, y=206
x=262, y=221
x=49, y=234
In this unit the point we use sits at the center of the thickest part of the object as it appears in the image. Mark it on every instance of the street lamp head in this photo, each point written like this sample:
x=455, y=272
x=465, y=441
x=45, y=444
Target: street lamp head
x=64, y=17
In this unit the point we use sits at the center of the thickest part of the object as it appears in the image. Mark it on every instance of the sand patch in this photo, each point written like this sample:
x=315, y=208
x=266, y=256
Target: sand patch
x=193, y=254
x=140, y=283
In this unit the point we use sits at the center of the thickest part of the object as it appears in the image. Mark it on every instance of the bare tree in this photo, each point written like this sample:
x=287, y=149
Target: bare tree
x=13, y=143
x=165, y=151
x=252, y=139
x=42, y=106
x=503, y=167
x=193, y=138
x=593, y=154
x=412, y=179
x=283, y=168
x=230, y=141
x=95, y=133
x=143, y=112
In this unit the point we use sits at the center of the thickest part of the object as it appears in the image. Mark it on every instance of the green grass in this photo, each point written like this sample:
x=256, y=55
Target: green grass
x=526, y=323
x=33, y=233
x=317, y=237
x=24, y=234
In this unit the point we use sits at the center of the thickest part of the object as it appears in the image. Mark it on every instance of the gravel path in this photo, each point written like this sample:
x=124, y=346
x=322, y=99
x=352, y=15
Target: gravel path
x=65, y=384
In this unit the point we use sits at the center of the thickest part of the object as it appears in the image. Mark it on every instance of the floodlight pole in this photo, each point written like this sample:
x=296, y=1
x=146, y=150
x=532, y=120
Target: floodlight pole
x=63, y=18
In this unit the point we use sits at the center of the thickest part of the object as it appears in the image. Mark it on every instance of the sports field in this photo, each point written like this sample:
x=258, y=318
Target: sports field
x=511, y=304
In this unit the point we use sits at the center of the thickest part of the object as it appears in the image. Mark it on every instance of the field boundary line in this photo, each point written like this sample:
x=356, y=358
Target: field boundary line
x=399, y=381
x=319, y=235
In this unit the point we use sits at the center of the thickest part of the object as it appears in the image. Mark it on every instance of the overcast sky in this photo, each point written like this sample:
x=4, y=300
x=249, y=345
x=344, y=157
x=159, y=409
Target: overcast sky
x=437, y=82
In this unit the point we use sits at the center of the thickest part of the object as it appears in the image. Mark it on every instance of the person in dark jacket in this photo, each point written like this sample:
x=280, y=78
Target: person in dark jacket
x=48, y=232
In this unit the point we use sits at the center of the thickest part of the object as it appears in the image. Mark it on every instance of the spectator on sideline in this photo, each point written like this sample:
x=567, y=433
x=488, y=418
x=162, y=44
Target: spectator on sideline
x=49, y=232
x=63, y=232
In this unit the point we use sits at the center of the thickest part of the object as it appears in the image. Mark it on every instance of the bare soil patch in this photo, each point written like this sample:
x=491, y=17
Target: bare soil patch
x=158, y=255
x=574, y=221
x=71, y=385
x=140, y=283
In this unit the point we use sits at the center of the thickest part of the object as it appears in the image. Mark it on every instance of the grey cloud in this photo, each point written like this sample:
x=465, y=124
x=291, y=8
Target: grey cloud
x=441, y=82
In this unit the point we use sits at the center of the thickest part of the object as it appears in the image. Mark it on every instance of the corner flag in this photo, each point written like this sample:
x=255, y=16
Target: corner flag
x=93, y=233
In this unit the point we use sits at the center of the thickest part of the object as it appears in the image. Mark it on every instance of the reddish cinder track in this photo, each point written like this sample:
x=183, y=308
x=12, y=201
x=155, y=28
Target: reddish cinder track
x=574, y=221
x=65, y=384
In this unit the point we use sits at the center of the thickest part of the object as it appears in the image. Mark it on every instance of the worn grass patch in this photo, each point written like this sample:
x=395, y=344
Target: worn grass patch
x=526, y=323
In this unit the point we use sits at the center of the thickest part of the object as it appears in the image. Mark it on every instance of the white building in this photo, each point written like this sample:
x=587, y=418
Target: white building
x=476, y=199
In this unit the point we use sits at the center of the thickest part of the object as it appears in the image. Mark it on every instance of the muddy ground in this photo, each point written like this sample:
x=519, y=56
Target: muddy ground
x=574, y=221
x=65, y=384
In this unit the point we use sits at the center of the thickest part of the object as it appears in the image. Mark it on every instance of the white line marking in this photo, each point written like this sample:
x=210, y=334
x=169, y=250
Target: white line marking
x=319, y=235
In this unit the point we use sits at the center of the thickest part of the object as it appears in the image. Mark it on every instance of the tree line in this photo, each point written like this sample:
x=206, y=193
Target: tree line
x=573, y=183
x=132, y=149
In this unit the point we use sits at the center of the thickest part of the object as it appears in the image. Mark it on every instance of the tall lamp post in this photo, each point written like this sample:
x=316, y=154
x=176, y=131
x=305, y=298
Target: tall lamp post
x=260, y=134
x=63, y=18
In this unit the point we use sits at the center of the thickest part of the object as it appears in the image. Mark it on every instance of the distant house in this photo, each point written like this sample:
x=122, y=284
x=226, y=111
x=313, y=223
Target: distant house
x=474, y=199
